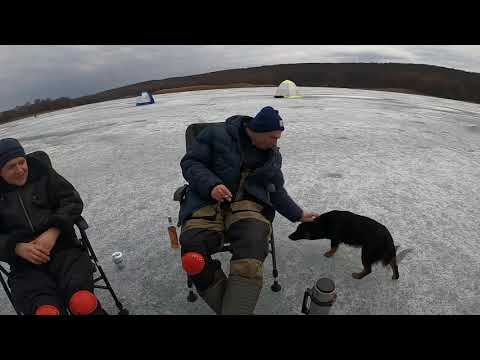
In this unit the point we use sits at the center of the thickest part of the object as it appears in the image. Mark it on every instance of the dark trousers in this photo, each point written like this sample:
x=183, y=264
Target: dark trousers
x=248, y=239
x=205, y=232
x=53, y=283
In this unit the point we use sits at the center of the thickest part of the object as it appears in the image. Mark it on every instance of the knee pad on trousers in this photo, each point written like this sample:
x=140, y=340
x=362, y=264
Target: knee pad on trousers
x=83, y=302
x=47, y=310
x=193, y=263
x=201, y=269
x=248, y=268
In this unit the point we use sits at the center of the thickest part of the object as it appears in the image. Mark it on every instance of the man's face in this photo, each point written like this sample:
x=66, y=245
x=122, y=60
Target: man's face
x=15, y=172
x=266, y=140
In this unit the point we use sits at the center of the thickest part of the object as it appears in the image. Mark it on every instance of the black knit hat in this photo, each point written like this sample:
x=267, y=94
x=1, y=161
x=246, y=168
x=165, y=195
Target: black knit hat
x=10, y=149
x=266, y=120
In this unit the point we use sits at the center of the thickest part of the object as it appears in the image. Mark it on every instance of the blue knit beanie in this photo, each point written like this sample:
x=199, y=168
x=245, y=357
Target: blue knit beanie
x=10, y=149
x=266, y=120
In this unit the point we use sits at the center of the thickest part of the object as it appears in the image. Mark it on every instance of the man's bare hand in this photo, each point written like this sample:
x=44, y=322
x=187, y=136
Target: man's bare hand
x=221, y=193
x=309, y=216
x=32, y=252
x=47, y=239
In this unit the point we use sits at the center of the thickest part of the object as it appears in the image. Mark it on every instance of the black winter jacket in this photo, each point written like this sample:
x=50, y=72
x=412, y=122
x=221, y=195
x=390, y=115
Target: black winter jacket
x=46, y=200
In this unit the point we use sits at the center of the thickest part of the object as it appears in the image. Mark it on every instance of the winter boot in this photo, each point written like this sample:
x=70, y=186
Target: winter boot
x=243, y=287
x=213, y=295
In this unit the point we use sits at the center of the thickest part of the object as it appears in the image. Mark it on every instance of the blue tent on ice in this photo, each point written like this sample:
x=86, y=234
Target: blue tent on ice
x=145, y=99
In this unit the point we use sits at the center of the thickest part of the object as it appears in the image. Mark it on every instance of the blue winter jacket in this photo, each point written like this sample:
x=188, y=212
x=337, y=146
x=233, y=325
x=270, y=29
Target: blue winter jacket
x=215, y=158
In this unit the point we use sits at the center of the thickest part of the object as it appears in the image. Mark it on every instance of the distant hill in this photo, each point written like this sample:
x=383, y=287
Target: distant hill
x=410, y=78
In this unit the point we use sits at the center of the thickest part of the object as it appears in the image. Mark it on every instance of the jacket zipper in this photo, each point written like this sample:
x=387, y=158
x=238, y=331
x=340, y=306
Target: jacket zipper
x=25, y=212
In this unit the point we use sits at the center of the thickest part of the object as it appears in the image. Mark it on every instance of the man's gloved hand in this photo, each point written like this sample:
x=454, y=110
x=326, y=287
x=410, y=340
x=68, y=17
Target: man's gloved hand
x=221, y=193
x=308, y=216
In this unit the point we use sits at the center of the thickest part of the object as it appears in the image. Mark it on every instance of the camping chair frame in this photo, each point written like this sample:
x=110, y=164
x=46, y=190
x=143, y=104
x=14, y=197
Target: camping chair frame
x=190, y=137
x=82, y=225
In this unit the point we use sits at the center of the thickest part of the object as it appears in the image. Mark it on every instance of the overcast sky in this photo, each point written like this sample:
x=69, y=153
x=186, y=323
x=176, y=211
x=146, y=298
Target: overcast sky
x=46, y=71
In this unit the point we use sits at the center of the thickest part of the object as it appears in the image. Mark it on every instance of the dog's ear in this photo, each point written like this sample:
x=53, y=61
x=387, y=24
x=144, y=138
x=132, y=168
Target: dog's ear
x=318, y=228
x=303, y=231
x=296, y=234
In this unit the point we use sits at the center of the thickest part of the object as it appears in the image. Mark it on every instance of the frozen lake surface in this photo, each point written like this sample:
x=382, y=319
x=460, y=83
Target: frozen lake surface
x=410, y=162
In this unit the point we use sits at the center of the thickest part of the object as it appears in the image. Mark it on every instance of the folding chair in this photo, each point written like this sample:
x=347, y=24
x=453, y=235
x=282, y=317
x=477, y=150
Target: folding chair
x=81, y=225
x=190, y=137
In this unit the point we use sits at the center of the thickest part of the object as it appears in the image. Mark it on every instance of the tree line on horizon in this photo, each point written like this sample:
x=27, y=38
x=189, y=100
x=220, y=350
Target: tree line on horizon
x=417, y=78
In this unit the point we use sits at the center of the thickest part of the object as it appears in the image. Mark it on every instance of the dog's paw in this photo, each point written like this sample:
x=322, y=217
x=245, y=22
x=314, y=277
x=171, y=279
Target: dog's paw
x=395, y=277
x=328, y=254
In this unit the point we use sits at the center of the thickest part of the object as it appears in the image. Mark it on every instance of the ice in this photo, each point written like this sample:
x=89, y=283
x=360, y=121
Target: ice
x=411, y=162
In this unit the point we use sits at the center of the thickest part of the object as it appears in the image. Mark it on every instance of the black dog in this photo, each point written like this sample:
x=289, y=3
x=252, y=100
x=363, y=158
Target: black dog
x=356, y=230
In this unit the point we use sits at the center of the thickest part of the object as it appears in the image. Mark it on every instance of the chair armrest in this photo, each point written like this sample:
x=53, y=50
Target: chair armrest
x=179, y=194
x=3, y=270
x=82, y=223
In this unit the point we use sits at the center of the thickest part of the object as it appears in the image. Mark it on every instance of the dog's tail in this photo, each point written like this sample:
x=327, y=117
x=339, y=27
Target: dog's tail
x=401, y=254
x=397, y=256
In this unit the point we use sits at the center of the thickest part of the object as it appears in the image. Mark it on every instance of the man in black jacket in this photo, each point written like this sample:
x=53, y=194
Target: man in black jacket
x=50, y=271
x=235, y=187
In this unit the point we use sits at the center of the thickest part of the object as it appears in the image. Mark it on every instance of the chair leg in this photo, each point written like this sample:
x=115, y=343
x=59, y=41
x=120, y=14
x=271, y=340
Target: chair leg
x=192, y=297
x=121, y=309
x=276, y=287
x=94, y=260
x=9, y=294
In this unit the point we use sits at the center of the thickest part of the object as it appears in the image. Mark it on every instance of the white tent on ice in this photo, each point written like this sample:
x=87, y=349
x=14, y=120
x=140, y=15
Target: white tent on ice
x=287, y=89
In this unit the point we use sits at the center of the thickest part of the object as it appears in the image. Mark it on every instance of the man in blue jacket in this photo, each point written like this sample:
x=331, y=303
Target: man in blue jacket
x=235, y=187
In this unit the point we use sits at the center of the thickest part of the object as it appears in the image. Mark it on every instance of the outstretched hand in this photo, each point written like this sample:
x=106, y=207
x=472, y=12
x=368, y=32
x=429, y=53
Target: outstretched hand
x=308, y=216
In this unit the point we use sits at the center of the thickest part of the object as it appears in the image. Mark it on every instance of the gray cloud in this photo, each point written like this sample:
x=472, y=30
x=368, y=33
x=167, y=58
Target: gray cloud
x=30, y=72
